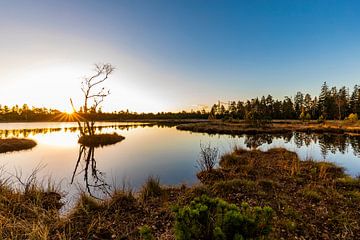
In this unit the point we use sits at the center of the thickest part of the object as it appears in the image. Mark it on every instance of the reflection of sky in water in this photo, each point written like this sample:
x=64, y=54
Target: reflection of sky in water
x=164, y=152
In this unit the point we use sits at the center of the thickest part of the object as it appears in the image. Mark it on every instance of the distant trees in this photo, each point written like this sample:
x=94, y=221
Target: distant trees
x=330, y=104
x=25, y=113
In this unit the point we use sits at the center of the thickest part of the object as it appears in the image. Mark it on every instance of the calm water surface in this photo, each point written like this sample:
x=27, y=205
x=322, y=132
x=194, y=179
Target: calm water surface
x=150, y=150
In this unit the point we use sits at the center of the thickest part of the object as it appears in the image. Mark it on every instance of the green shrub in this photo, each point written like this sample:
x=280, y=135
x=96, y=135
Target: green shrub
x=145, y=233
x=209, y=218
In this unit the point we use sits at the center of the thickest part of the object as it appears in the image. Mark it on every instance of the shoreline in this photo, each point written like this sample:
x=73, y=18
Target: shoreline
x=277, y=127
x=302, y=194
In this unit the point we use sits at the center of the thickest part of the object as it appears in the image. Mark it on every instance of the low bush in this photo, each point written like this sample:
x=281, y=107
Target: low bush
x=213, y=218
x=145, y=233
x=208, y=157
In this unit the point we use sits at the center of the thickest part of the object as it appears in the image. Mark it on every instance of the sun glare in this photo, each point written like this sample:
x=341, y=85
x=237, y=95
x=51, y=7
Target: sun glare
x=69, y=112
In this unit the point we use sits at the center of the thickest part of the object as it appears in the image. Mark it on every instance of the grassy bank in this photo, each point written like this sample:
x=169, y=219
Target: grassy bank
x=15, y=144
x=277, y=127
x=310, y=200
x=100, y=139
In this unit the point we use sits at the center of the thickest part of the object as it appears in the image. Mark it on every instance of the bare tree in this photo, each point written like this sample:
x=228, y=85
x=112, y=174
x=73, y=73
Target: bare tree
x=94, y=95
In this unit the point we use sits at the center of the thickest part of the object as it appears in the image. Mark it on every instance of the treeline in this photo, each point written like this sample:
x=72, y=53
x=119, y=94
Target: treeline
x=25, y=113
x=126, y=115
x=332, y=103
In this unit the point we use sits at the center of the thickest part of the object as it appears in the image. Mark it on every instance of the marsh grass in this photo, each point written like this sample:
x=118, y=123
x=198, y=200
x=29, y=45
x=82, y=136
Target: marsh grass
x=309, y=197
x=311, y=200
x=151, y=189
x=98, y=140
x=15, y=144
x=277, y=127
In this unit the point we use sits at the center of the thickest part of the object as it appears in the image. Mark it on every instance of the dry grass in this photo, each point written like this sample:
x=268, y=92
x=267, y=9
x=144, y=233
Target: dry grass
x=277, y=127
x=100, y=139
x=311, y=200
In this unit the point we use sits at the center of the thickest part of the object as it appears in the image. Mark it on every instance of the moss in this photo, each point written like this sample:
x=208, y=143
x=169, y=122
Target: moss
x=266, y=184
x=354, y=195
x=348, y=183
x=234, y=185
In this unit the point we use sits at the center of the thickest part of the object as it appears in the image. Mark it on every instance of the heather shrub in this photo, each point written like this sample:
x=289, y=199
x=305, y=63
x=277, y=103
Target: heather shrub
x=215, y=219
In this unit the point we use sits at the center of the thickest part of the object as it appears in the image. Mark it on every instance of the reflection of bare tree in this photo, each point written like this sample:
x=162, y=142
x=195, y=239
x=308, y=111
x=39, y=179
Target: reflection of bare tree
x=94, y=178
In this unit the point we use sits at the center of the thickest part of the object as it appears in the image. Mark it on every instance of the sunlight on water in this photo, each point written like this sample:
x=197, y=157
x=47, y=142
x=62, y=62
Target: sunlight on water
x=57, y=139
x=152, y=150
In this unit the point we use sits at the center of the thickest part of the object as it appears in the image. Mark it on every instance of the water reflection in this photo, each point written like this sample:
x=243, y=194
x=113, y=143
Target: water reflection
x=327, y=142
x=254, y=141
x=150, y=149
x=26, y=132
x=94, y=178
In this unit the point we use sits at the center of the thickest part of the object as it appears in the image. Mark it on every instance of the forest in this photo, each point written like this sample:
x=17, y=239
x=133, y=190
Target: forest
x=331, y=104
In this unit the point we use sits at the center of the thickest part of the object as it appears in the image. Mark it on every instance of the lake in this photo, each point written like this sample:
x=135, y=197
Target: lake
x=148, y=149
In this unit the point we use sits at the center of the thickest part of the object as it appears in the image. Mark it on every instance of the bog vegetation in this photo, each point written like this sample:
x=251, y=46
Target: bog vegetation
x=251, y=195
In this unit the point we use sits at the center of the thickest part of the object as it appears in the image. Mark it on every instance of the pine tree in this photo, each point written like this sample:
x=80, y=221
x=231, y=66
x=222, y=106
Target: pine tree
x=323, y=100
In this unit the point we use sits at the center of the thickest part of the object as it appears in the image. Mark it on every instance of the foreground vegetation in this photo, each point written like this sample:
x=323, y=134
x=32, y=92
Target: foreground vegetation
x=251, y=195
x=15, y=144
x=275, y=127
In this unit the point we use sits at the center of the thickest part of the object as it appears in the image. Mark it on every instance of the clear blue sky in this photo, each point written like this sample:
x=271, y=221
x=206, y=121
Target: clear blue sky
x=173, y=55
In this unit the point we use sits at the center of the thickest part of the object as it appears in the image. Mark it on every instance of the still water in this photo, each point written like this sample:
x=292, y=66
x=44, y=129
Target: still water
x=148, y=149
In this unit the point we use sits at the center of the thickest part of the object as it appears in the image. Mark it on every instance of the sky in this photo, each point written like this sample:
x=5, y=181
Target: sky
x=175, y=54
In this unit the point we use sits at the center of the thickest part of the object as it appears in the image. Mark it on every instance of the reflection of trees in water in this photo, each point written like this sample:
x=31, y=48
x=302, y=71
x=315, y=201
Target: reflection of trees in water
x=94, y=179
x=254, y=141
x=355, y=144
x=327, y=142
x=26, y=132
x=5, y=133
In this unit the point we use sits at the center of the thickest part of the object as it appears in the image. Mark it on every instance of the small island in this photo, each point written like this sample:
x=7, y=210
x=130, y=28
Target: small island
x=98, y=140
x=16, y=144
